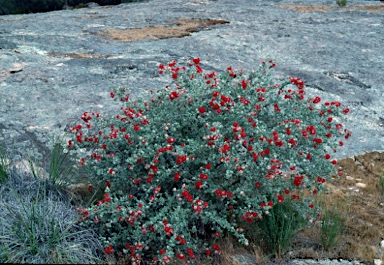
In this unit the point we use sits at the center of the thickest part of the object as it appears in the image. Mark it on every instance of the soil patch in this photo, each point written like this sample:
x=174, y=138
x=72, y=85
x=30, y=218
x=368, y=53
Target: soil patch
x=360, y=187
x=183, y=27
x=370, y=8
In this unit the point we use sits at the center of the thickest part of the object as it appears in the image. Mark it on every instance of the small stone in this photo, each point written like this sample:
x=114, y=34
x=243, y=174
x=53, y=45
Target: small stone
x=349, y=178
x=382, y=244
x=353, y=189
x=17, y=67
x=361, y=185
x=377, y=262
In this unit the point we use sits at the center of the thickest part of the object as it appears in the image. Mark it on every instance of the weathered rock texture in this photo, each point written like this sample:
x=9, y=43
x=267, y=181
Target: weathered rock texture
x=56, y=65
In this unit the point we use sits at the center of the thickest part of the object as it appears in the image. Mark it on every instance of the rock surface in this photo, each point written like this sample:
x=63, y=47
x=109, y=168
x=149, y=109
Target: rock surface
x=56, y=65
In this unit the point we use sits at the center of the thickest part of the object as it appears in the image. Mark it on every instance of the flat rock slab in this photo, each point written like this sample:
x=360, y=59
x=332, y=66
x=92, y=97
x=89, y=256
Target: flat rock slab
x=56, y=65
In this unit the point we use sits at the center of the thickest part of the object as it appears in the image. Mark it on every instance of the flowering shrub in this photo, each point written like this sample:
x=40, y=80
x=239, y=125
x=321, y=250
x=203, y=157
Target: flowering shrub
x=199, y=157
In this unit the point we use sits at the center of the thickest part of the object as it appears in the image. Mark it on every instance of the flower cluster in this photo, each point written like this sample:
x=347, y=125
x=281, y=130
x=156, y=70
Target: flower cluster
x=209, y=146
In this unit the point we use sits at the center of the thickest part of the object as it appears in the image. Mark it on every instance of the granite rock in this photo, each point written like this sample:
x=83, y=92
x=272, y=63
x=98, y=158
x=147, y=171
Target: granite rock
x=56, y=65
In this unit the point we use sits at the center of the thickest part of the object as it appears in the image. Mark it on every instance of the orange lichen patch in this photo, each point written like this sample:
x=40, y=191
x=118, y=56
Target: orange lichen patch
x=77, y=55
x=370, y=8
x=183, y=27
x=308, y=8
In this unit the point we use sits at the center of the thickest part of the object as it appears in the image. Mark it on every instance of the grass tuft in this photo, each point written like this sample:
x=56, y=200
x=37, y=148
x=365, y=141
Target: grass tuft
x=39, y=225
x=4, y=166
x=276, y=230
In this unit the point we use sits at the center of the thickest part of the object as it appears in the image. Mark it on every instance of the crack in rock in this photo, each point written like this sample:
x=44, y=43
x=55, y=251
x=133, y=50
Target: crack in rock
x=347, y=78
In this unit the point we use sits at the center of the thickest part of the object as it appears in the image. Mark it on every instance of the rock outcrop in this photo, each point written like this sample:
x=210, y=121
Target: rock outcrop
x=56, y=65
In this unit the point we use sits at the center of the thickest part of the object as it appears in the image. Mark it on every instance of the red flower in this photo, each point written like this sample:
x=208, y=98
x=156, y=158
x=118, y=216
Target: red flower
x=108, y=250
x=173, y=95
x=316, y=100
x=280, y=198
x=297, y=180
x=196, y=60
x=215, y=247
x=202, y=110
x=288, y=131
x=172, y=64
x=311, y=129
x=176, y=177
x=244, y=84
x=225, y=148
x=136, y=127
x=327, y=156
x=203, y=176
x=199, y=185
x=190, y=253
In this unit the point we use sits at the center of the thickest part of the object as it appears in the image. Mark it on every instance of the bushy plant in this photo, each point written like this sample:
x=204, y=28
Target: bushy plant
x=341, y=3
x=182, y=167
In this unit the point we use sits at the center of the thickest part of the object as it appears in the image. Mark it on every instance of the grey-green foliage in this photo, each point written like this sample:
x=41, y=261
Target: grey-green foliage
x=38, y=225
